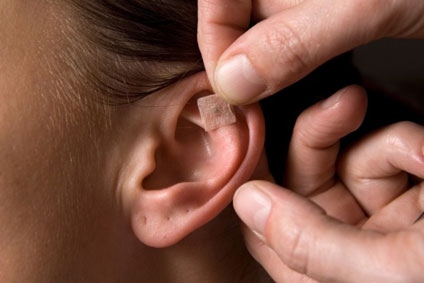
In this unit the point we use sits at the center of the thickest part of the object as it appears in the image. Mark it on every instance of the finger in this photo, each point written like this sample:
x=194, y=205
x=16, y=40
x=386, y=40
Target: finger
x=270, y=260
x=400, y=213
x=375, y=169
x=311, y=243
x=262, y=9
x=340, y=204
x=314, y=146
x=287, y=46
x=220, y=23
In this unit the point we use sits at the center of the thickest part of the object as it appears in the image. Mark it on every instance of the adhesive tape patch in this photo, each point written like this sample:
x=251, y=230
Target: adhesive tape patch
x=215, y=112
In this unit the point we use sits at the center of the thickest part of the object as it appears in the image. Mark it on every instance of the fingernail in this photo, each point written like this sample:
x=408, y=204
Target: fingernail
x=332, y=100
x=253, y=207
x=238, y=81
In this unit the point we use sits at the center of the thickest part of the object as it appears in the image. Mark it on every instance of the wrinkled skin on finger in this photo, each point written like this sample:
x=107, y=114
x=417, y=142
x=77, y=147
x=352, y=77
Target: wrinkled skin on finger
x=283, y=46
x=350, y=216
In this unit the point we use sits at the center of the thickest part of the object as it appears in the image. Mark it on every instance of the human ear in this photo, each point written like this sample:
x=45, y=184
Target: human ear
x=176, y=176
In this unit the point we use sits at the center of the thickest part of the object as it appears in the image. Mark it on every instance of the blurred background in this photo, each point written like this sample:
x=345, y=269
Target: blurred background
x=396, y=66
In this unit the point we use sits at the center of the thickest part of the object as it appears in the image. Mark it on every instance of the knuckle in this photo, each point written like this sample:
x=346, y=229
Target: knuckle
x=380, y=24
x=297, y=253
x=401, y=125
x=286, y=47
x=399, y=133
x=313, y=133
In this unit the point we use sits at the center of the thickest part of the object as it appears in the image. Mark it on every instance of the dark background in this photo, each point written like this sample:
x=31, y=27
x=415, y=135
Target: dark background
x=392, y=71
x=396, y=65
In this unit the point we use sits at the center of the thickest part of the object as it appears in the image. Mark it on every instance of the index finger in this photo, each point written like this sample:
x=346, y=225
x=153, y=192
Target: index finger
x=221, y=22
x=314, y=147
x=376, y=168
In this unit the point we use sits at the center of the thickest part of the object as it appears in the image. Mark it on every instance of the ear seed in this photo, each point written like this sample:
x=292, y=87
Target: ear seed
x=215, y=112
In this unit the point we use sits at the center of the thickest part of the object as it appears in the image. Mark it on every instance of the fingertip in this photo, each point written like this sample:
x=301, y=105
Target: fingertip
x=348, y=106
x=253, y=206
x=238, y=82
x=351, y=92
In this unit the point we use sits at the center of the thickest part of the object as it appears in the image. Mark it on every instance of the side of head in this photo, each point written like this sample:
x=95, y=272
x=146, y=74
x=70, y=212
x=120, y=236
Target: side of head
x=101, y=137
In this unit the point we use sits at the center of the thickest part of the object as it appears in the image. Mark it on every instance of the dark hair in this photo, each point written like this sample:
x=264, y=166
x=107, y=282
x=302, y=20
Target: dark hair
x=141, y=46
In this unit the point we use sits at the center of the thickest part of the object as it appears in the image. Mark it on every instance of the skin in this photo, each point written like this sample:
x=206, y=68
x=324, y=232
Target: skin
x=247, y=64
x=348, y=217
x=65, y=215
x=69, y=211
x=283, y=46
x=44, y=135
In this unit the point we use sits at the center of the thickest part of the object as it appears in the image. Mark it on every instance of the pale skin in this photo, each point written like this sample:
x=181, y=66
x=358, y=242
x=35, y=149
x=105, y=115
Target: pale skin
x=291, y=38
x=246, y=64
x=87, y=191
x=348, y=217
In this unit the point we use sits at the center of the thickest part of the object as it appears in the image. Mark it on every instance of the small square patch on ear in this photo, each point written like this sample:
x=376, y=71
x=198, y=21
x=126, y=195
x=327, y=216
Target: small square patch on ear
x=215, y=112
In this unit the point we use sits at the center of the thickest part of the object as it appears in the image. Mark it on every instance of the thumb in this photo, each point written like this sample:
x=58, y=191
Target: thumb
x=312, y=243
x=285, y=47
x=221, y=22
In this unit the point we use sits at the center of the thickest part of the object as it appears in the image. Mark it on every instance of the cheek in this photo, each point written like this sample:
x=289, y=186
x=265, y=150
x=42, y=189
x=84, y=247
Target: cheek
x=34, y=144
x=50, y=190
x=24, y=109
x=46, y=135
x=29, y=117
x=43, y=126
x=51, y=152
x=23, y=140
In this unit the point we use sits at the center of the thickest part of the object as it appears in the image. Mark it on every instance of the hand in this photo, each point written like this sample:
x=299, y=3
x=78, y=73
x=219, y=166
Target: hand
x=350, y=217
x=291, y=38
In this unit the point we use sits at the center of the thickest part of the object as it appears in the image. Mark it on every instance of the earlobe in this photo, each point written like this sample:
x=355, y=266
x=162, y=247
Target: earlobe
x=193, y=173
